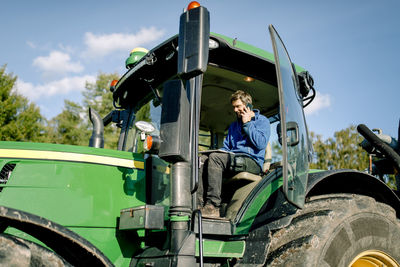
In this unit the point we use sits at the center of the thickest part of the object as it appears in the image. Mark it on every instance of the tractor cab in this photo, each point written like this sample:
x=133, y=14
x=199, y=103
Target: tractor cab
x=232, y=65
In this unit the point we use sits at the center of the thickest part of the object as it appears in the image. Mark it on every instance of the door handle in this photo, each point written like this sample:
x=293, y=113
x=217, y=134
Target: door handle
x=292, y=133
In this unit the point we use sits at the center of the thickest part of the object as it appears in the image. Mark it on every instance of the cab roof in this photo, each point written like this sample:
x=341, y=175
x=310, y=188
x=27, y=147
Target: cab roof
x=229, y=66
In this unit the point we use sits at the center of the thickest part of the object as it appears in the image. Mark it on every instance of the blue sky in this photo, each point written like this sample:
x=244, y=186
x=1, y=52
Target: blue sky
x=350, y=47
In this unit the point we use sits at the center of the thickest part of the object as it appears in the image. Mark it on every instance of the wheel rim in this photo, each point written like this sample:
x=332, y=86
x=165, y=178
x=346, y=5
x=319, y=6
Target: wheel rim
x=373, y=258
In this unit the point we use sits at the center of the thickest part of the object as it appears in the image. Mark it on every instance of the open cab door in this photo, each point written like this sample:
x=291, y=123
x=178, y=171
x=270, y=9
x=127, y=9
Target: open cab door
x=293, y=130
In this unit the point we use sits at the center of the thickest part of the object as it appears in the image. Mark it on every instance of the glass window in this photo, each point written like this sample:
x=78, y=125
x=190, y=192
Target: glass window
x=295, y=149
x=204, y=140
x=150, y=113
x=274, y=142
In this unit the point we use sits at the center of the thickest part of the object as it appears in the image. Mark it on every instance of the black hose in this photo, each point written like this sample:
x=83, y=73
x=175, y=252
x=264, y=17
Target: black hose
x=380, y=145
x=108, y=118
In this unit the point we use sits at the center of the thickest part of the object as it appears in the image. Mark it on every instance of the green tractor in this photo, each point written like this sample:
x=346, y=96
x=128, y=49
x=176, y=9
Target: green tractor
x=67, y=205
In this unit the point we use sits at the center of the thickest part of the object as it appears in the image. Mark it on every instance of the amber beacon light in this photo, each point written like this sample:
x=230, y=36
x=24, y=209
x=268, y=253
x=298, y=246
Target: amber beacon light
x=192, y=5
x=112, y=85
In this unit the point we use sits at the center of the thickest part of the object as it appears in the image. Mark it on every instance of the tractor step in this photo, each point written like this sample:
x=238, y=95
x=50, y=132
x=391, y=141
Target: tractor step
x=216, y=226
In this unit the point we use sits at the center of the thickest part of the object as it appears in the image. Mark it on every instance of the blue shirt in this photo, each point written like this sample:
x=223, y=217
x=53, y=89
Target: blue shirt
x=250, y=138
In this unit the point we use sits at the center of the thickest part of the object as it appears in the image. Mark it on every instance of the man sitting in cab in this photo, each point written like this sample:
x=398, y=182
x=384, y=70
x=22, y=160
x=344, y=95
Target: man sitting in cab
x=243, y=150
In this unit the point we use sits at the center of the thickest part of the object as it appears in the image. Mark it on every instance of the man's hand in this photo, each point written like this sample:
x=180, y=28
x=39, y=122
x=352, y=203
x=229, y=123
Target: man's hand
x=247, y=114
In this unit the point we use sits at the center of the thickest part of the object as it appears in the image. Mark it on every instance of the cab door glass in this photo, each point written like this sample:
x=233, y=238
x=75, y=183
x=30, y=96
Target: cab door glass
x=293, y=128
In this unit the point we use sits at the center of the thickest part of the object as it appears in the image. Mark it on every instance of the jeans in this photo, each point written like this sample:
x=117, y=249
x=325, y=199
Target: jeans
x=217, y=166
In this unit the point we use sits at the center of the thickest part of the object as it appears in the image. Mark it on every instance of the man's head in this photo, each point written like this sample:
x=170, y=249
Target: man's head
x=239, y=101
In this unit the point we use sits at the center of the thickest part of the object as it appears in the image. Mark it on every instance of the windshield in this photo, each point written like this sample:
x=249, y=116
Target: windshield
x=149, y=112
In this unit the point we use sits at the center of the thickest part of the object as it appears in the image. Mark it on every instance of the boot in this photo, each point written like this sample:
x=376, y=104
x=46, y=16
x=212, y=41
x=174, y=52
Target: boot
x=210, y=211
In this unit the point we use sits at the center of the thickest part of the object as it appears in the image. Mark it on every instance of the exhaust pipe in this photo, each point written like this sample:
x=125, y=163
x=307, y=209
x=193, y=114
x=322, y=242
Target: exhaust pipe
x=97, y=138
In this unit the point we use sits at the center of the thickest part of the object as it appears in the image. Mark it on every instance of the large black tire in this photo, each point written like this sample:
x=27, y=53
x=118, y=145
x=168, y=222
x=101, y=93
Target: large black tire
x=18, y=252
x=338, y=230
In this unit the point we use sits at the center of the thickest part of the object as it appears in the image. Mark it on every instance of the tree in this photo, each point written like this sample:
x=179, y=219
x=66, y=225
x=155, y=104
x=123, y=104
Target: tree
x=69, y=127
x=19, y=119
x=143, y=113
x=340, y=152
x=72, y=125
x=98, y=97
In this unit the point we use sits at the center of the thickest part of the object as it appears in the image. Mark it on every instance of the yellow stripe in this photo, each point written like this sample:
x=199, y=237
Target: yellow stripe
x=68, y=156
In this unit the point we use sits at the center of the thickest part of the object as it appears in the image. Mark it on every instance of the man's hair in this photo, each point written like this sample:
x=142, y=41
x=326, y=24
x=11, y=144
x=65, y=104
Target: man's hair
x=243, y=96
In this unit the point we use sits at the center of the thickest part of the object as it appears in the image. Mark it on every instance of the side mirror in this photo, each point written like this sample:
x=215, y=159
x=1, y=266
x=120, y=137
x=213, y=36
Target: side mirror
x=175, y=117
x=194, y=35
x=145, y=128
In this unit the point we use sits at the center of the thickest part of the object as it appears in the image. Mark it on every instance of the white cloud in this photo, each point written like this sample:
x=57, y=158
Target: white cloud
x=57, y=63
x=31, y=44
x=321, y=101
x=66, y=48
x=104, y=44
x=58, y=87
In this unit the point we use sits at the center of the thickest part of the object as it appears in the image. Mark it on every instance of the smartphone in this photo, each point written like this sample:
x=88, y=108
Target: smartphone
x=250, y=106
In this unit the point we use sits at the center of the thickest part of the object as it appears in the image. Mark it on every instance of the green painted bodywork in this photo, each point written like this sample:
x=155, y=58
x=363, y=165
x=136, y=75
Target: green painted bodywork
x=224, y=249
x=70, y=148
x=179, y=218
x=85, y=197
x=243, y=226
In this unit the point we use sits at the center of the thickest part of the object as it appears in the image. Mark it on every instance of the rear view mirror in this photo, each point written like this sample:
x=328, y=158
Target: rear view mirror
x=145, y=126
x=175, y=118
x=194, y=35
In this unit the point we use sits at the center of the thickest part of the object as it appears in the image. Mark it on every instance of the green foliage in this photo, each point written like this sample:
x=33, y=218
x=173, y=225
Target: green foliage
x=340, y=152
x=72, y=126
x=68, y=127
x=98, y=97
x=19, y=119
x=22, y=121
x=392, y=180
x=143, y=113
x=276, y=151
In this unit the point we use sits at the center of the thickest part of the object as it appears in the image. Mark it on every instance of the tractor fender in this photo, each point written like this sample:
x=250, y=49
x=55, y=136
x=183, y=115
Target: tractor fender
x=354, y=182
x=69, y=245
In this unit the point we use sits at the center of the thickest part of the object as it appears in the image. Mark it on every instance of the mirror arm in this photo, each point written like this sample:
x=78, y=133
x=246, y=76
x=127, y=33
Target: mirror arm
x=156, y=94
x=108, y=118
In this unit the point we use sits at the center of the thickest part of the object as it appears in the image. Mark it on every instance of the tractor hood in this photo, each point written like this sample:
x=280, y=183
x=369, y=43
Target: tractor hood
x=78, y=186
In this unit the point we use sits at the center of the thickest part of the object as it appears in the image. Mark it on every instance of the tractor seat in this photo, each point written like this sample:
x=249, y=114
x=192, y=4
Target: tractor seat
x=250, y=181
x=255, y=177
